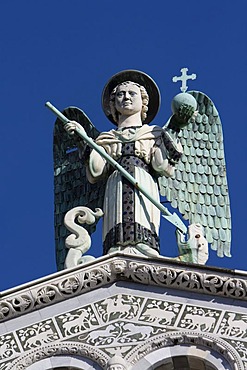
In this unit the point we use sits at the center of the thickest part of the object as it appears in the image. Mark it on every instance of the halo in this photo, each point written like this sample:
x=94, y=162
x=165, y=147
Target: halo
x=142, y=79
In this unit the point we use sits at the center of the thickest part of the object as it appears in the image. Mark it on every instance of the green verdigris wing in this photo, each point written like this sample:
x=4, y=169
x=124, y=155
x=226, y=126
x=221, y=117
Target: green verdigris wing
x=71, y=187
x=199, y=186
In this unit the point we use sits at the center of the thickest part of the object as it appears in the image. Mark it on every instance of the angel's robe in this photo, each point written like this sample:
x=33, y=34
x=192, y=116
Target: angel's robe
x=130, y=219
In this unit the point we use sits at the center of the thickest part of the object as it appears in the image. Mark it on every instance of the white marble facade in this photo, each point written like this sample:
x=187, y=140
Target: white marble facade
x=151, y=313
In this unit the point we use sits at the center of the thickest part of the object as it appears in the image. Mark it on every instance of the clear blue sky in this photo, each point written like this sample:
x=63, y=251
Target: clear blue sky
x=65, y=51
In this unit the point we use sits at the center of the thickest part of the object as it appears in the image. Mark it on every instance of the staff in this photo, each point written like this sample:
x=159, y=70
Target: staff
x=173, y=218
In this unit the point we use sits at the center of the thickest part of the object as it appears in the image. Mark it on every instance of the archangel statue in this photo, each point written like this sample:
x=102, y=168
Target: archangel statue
x=183, y=161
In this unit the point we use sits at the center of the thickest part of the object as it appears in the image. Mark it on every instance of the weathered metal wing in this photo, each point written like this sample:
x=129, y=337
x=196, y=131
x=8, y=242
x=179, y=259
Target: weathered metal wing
x=71, y=188
x=199, y=187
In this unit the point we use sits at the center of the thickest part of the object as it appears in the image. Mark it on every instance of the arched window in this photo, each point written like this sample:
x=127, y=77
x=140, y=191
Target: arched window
x=64, y=363
x=183, y=357
x=186, y=363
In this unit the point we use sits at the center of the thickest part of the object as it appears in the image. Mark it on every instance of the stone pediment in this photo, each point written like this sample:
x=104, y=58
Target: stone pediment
x=130, y=307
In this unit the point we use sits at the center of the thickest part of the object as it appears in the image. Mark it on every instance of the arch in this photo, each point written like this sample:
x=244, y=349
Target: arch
x=175, y=357
x=64, y=363
x=167, y=350
x=63, y=354
x=187, y=363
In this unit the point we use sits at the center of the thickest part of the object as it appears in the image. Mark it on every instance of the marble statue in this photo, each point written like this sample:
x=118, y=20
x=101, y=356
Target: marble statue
x=184, y=161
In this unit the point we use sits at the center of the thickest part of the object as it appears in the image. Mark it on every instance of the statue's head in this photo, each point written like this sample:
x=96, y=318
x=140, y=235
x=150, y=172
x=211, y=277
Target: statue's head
x=141, y=84
x=119, y=102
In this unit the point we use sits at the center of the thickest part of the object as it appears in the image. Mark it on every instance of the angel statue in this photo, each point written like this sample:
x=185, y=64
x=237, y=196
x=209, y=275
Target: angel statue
x=183, y=161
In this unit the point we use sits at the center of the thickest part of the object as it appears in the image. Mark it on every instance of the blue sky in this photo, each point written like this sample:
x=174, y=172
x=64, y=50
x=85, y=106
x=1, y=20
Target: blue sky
x=65, y=51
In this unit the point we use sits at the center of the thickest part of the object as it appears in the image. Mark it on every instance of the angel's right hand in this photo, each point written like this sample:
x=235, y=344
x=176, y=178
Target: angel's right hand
x=71, y=126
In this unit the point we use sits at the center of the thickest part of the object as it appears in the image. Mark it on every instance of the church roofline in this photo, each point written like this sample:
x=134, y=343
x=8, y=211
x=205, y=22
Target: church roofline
x=160, y=272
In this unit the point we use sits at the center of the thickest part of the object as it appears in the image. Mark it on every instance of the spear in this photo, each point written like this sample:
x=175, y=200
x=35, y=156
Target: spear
x=171, y=217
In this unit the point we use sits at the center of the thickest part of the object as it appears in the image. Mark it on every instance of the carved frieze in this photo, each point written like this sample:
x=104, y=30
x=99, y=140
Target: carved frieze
x=129, y=325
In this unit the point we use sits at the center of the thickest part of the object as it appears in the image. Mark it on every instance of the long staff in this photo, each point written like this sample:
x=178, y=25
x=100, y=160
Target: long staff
x=173, y=218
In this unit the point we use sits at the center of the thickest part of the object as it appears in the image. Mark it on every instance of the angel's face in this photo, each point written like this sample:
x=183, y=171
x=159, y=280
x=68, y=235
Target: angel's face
x=128, y=99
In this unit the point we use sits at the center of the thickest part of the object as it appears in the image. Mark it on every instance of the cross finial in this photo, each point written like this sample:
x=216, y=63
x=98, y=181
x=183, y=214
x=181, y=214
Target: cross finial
x=184, y=77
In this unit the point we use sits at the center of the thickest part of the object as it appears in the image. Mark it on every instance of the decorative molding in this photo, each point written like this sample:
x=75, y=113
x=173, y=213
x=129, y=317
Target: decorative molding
x=224, y=349
x=161, y=272
x=56, y=349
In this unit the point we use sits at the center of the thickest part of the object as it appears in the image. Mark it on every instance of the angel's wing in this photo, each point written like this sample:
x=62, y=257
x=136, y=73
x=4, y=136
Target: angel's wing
x=199, y=187
x=71, y=188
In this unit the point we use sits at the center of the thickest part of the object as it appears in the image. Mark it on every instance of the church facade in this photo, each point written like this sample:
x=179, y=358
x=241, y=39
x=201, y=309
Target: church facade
x=127, y=312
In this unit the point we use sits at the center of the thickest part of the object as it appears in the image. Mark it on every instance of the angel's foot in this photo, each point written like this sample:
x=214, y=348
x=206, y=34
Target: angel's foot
x=146, y=250
x=85, y=259
x=139, y=249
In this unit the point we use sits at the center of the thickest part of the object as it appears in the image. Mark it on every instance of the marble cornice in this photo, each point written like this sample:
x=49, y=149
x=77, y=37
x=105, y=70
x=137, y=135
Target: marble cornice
x=160, y=272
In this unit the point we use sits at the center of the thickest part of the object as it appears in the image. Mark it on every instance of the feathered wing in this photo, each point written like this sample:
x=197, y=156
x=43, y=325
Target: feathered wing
x=199, y=186
x=71, y=187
